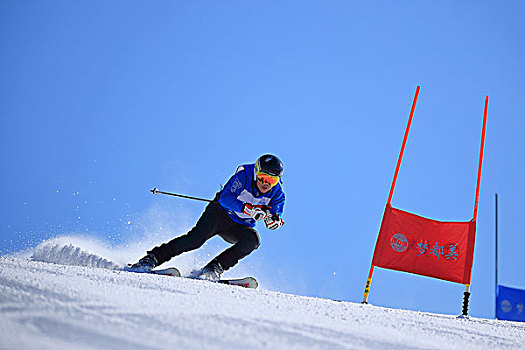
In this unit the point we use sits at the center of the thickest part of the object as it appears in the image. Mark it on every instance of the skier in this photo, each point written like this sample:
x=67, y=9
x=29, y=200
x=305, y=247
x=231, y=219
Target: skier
x=252, y=194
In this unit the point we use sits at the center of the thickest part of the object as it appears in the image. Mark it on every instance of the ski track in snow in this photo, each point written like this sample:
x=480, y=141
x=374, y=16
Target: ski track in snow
x=49, y=303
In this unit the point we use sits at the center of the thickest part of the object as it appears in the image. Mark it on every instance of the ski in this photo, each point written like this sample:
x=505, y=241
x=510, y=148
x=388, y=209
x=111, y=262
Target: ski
x=246, y=282
x=170, y=271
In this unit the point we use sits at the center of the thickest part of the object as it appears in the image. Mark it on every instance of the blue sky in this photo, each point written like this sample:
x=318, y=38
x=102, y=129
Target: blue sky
x=100, y=101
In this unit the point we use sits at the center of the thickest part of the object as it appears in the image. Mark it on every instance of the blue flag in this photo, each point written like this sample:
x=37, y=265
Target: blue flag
x=510, y=304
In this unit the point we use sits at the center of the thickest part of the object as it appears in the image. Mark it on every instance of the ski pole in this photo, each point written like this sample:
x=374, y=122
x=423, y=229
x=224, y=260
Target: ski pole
x=156, y=191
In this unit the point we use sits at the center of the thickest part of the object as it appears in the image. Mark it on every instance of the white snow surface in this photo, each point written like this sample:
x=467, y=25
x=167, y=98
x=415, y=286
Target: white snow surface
x=53, y=303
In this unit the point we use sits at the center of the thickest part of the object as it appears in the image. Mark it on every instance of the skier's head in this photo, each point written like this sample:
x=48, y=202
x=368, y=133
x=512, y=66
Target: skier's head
x=268, y=171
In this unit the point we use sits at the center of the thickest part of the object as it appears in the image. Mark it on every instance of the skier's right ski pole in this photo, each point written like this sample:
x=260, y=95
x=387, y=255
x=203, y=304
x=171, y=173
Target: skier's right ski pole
x=156, y=191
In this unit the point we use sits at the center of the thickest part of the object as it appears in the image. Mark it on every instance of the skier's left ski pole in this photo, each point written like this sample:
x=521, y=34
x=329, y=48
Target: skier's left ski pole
x=156, y=191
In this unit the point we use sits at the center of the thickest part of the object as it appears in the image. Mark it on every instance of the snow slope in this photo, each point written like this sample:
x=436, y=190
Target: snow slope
x=45, y=305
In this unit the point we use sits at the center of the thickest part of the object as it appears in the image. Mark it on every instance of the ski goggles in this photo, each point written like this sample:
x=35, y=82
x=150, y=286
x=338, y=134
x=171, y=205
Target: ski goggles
x=269, y=179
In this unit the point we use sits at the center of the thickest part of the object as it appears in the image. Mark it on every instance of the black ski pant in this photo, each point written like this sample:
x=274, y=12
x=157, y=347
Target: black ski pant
x=213, y=221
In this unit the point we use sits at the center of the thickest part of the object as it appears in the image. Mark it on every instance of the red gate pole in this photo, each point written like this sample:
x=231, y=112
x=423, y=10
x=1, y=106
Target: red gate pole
x=466, y=293
x=482, y=147
x=403, y=146
x=370, y=274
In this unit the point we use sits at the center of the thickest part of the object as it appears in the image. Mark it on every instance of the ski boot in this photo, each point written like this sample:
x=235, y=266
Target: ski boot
x=145, y=265
x=211, y=272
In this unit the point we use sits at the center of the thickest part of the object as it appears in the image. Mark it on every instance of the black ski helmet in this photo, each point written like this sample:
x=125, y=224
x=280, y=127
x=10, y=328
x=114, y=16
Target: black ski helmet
x=270, y=165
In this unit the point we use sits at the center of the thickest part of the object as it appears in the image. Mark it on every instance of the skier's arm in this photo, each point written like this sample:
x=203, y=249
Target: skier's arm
x=274, y=220
x=231, y=191
x=277, y=203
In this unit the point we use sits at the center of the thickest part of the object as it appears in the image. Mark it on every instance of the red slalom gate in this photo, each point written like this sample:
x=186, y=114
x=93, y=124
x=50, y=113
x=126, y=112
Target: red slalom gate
x=411, y=243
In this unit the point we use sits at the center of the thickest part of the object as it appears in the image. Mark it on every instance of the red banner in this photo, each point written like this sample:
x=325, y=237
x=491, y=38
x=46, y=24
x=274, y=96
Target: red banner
x=411, y=243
